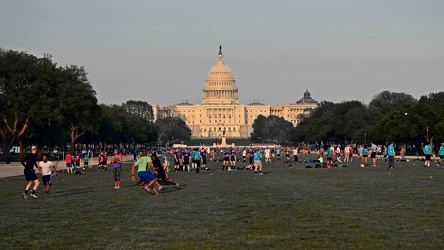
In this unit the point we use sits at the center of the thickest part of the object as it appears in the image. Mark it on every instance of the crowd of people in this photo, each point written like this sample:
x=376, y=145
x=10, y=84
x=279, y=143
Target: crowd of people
x=153, y=169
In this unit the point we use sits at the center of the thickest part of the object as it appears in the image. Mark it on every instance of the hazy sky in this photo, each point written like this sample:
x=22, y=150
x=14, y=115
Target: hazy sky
x=161, y=51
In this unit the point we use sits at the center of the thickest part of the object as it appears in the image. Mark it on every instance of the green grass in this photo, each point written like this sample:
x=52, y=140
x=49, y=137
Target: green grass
x=343, y=208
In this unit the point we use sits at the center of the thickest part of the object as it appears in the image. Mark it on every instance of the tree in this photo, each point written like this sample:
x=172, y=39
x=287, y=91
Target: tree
x=171, y=127
x=271, y=129
x=140, y=108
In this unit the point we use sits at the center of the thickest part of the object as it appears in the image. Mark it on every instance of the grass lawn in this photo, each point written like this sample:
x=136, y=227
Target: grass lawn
x=340, y=208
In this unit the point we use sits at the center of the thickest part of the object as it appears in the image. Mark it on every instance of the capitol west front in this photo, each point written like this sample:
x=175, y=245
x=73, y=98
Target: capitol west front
x=220, y=112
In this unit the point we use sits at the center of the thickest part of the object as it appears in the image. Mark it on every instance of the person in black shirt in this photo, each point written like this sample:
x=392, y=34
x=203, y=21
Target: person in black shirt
x=161, y=174
x=29, y=162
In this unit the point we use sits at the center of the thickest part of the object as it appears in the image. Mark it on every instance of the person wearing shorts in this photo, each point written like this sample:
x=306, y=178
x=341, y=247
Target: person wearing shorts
x=330, y=156
x=77, y=169
x=147, y=177
x=373, y=149
x=186, y=155
x=46, y=169
x=226, y=155
x=257, y=162
x=441, y=153
x=427, y=154
x=203, y=156
x=68, y=160
x=29, y=162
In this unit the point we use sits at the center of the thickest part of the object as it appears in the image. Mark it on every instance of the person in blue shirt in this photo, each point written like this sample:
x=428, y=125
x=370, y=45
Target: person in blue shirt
x=257, y=162
x=391, y=155
x=441, y=153
x=330, y=155
x=427, y=153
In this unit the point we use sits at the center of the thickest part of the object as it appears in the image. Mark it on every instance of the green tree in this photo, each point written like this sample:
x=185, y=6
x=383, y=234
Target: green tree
x=171, y=127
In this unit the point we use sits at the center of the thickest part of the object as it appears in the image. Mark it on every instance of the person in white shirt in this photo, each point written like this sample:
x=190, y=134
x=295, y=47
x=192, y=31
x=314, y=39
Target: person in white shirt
x=46, y=169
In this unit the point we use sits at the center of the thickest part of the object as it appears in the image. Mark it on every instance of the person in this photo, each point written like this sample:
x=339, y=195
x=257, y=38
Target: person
x=257, y=162
x=29, y=162
x=77, y=163
x=278, y=154
x=196, y=159
x=373, y=149
x=441, y=153
x=46, y=169
x=391, y=155
x=267, y=154
x=85, y=161
x=226, y=155
x=68, y=160
x=330, y=156
x=176, y=159
x=244, y=155
x=347, y=153
x=148, y=178
x=186, y=160
x=203, y=155
x=295, y=154
x=117, y=161
x=161, y=174
x=102, y=161
x=427, y=154
x=166, y=163
x=365, y=154
x=233, y=159
x=338, y=153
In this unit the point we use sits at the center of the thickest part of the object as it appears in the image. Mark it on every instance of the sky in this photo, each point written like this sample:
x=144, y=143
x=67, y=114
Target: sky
x=161, y=51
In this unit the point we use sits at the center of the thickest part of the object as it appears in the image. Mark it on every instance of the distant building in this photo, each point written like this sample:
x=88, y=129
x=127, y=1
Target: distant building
x=220, y=112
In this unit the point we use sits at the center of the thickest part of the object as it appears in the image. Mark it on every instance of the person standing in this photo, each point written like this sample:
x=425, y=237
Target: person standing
x=196, y=159
x=427, y=153
x=68, y=160
x=441, y=153
x=373, y=149
x=46, y=169
x=85, y=161
x=267, y=155
x=117, y=161
x=391, y=155
x=203, y=155
x=295, y=154
x=278, y=154
x=330, y=156
x=257, y=162
x=29, y=162
x=186, y=160
x=233, y=159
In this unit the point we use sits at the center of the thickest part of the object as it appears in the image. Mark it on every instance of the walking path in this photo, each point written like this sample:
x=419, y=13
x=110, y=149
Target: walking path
x=16, y=168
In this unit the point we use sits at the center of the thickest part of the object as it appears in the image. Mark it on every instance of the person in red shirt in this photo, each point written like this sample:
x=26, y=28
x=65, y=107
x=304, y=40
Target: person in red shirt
x=68, y=160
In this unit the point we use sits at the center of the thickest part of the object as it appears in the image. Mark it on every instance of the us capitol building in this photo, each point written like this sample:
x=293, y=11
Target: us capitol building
x=220, y=112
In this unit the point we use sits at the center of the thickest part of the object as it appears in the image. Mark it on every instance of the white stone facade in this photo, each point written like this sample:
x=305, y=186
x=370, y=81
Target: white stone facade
x=220, y=112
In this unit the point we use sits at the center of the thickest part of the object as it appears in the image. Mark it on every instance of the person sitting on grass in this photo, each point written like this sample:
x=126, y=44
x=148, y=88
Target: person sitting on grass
x=161, y=173
x=148, y=178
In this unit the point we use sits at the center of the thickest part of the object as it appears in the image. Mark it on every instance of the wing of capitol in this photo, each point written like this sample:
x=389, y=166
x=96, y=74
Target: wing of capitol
x=220, y=113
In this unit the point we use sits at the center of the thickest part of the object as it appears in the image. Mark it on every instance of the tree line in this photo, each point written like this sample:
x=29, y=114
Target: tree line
x=49, y=105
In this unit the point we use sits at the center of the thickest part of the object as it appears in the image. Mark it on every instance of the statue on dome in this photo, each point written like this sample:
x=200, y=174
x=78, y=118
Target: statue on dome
x=220, y=49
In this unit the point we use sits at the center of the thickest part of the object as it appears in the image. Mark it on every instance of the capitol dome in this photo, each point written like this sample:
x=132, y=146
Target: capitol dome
x=220, y=85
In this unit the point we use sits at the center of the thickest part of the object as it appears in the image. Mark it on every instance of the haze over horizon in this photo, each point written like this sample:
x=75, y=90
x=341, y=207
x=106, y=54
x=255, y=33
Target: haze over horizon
x=161, y=51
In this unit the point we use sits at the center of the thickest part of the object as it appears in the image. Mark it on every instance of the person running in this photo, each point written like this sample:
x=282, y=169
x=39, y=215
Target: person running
x=117, y=161
x=295, y=154
x=46, y=169
x=68, y=160
x=148, y=177
x=427, y=153
x=391, y=155
x=257, y=162
x=161, y=173
x=441, y=153
x=29, y=162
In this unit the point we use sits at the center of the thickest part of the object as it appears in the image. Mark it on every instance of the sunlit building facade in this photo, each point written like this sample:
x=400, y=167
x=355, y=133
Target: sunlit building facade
x=220, y=112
